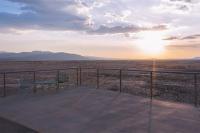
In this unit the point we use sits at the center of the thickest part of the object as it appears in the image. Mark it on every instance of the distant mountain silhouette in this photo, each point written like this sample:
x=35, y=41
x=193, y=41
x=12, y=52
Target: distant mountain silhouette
x=196, y=58
x=42, y=56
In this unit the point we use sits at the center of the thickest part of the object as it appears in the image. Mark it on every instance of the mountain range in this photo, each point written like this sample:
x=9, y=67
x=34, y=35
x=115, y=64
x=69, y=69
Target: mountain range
x=43, y=56
x=50, y=56
x=196, y=58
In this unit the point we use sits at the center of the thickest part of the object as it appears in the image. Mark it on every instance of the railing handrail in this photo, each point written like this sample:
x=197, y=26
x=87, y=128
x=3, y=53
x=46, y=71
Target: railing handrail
x=101, y=68
x=142, y=70
x=41, y=70
x=162, y=71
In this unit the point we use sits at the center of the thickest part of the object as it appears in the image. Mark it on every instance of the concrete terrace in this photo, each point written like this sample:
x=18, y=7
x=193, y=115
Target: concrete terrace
x=84, y=110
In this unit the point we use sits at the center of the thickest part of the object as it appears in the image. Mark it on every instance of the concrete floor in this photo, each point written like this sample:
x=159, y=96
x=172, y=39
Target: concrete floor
x=84, y=110
x=7, y=126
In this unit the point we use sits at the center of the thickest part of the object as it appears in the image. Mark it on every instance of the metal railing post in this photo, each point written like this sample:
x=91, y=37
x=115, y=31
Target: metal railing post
x=58, y=79
x=195, y=90
x=97, y=78
x=80, y=76
x=120, y=80
x=34, y=83
x=151, y=85
x=77, y=76
x=4, y=84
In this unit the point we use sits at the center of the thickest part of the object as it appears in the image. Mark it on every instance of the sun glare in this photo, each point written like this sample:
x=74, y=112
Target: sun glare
x=151, y=43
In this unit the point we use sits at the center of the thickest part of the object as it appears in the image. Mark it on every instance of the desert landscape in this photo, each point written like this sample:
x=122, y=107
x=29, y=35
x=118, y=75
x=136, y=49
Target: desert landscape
x=178, y=65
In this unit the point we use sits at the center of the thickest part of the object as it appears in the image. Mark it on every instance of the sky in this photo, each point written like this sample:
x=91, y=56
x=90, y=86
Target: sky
x=125, y=29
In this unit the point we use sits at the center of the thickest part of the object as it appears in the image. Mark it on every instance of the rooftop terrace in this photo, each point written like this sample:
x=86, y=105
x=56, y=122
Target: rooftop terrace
x=89, y=110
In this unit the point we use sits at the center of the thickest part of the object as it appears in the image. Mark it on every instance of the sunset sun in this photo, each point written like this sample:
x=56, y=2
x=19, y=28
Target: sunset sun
x=151, y=43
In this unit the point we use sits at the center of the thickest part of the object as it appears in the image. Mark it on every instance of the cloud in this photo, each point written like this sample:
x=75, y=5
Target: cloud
x=176, y=6
x=195, y=36
x=184, y=46
x=158, y=27
x=82, y=15
x=191, y=37
x=118, y=17
x=72, y=15
x=187, y=1
x=125, y=29
x=116, y=29
x=171, y=38
x=66, y=15
x=46, y=14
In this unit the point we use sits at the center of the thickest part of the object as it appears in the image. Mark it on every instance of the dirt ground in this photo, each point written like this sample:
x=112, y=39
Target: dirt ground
x=185, y=65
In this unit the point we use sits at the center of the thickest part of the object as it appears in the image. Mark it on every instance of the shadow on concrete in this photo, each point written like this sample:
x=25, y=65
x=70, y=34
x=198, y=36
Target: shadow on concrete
x=7, y=126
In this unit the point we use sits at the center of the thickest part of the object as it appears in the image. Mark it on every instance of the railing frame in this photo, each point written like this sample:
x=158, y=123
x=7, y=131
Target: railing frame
x=151, y=85
x=195, y=90
x=97, y=78
x=34, y=80
x=4, y=84
x=79, y=78
x=120, y=80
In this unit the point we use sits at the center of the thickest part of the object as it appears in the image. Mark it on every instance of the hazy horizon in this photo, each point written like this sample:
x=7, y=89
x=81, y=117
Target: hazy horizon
x=97, y=57
x=122, y=29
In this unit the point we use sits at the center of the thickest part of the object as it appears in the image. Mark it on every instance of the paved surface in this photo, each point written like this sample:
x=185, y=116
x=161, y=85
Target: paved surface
x=7, y=126
x=99, y=111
